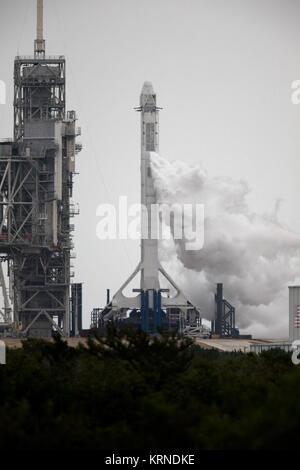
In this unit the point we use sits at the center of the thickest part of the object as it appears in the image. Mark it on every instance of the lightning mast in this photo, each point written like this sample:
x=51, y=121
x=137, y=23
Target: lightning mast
x=39, y=43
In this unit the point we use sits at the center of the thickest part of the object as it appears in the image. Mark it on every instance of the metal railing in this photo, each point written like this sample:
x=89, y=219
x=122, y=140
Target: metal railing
x=47, y=57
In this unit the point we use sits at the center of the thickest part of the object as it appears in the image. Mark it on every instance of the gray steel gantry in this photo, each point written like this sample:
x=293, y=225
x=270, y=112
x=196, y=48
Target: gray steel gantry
x=36, y=180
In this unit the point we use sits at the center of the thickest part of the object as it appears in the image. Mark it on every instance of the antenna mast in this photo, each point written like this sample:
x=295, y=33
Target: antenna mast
x=39, y=43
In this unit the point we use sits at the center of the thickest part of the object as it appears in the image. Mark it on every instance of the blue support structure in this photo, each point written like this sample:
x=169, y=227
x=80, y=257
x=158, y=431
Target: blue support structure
x=155, y=311
x=145, y=310
x=159, y=311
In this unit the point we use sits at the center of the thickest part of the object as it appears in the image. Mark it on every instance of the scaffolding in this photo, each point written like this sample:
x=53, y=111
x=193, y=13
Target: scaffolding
x=224, y=323
x=36, y=183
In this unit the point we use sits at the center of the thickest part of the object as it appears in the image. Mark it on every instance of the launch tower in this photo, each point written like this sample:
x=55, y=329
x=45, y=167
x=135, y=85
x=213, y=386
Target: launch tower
x=36, y=181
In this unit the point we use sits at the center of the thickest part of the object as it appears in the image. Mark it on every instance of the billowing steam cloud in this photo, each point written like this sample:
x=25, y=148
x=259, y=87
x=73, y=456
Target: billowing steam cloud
x=254, y=255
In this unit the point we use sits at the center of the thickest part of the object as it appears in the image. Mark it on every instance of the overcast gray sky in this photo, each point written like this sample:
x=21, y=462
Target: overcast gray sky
x=222, y=71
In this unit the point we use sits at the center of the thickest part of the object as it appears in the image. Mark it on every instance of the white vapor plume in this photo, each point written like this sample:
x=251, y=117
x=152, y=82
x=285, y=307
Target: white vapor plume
x=253, y=255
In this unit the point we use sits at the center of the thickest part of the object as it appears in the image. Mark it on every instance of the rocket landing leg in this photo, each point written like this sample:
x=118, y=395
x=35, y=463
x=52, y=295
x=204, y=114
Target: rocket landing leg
x=149, y=302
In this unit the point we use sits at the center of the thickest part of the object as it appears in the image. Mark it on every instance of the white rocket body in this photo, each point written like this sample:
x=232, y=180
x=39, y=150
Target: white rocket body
x=149, y=265
x=149, y=143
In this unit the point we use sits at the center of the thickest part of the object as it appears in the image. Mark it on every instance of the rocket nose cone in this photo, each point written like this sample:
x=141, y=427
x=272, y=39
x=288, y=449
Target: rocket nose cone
x=147, y=89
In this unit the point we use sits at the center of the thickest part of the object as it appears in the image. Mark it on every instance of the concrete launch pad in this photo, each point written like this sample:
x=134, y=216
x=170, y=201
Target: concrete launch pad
x=230, y=345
